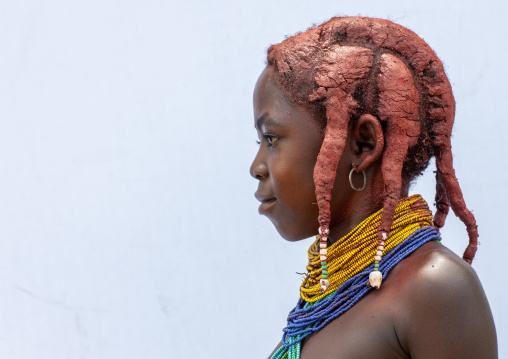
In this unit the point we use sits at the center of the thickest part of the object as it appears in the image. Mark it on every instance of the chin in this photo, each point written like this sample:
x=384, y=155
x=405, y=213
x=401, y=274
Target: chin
x=292, y=234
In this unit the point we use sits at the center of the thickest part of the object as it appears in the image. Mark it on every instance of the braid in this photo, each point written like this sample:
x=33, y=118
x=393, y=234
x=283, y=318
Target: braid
x=352, y=66
x=336, y=85
x=398, y=107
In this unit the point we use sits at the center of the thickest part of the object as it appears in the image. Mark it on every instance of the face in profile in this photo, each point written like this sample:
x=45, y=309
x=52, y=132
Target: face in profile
x=290, y=138
x=289, y=142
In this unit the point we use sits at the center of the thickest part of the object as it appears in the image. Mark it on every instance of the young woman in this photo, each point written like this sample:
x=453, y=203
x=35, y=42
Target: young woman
x=349, y=113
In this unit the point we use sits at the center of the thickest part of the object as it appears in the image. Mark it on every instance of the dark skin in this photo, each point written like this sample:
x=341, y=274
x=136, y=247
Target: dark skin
x=431, y=305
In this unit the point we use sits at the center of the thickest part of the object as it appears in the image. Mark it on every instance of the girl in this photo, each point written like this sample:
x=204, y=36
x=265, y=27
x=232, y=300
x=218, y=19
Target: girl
x=348, y=114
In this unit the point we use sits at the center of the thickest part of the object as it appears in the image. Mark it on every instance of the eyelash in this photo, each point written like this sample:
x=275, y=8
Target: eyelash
x=269, y=138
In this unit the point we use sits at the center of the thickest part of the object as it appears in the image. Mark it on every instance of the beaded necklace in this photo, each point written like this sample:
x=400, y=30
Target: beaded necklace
x=351, y=260
x=356, y=250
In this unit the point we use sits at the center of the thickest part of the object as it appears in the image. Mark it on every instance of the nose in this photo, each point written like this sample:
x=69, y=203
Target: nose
x=258, y=169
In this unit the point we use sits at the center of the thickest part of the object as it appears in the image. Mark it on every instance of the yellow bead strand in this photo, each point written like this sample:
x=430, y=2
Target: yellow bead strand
x=355, y=251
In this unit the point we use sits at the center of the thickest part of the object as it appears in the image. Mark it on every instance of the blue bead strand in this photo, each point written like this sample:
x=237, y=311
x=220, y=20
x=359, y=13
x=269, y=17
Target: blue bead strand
x=307, y=318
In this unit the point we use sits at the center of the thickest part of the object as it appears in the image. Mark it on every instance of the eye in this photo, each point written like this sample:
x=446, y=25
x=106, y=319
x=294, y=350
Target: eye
x=271, y=139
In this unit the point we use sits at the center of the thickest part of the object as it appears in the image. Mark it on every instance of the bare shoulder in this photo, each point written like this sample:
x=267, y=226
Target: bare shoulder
x=432, y=267
x=443, y=307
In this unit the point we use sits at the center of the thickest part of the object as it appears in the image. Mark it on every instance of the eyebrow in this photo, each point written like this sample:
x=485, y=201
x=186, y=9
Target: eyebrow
x=268, y=121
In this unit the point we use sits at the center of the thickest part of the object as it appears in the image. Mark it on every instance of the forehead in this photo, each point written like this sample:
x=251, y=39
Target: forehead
x=268, y=96
x=270, y=103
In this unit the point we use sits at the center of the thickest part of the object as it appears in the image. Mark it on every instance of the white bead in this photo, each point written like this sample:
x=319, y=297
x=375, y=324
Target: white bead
x=323, y=231
x=380, y=248
x=323, y=258
x=379, y=253
x=323, y=252
x=384, y=236
x=322, y=245
x=377, y=258
x=381, y=243
x=375, y=279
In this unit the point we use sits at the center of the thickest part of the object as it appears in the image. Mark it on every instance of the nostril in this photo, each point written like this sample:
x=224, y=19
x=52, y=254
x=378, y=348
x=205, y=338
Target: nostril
x=258, y=170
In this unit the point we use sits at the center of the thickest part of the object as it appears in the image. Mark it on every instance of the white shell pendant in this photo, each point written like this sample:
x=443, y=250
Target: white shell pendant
x=375, y=279
x=324, y=284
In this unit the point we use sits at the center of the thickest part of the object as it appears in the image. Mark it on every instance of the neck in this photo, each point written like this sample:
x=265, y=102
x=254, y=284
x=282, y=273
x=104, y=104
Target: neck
x=358, y=206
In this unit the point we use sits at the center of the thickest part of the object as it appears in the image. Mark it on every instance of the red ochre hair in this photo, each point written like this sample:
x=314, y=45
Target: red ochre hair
x=350, y=66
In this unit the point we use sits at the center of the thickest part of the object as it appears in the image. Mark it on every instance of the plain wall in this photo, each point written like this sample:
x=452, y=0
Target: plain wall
x=128, y=226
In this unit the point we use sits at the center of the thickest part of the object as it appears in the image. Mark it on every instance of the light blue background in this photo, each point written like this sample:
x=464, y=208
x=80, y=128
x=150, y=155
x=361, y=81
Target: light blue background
x=128, y=226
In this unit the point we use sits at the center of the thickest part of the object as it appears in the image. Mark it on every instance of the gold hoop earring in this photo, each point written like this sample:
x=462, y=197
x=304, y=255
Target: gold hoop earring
x=351, y=179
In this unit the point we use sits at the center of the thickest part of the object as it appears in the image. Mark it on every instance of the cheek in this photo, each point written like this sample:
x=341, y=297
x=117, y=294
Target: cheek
x=294, y=186
x=293, y=177
x=296, y=216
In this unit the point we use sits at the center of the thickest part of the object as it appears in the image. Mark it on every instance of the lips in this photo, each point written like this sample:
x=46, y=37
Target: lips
x=267, y=202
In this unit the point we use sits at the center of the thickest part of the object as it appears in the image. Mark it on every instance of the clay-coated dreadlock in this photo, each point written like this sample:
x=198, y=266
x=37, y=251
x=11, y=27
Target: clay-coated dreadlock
x=352, y=66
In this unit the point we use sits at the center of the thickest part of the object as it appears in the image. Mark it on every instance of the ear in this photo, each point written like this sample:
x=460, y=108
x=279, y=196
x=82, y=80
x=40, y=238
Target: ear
x=367, y=140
